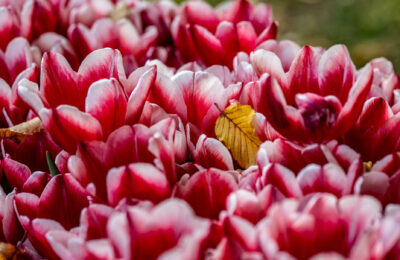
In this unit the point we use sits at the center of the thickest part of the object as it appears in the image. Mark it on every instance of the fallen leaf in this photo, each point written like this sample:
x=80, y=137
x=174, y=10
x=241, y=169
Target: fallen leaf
x=18, y=132
x=9, y=251
x=120, y=11
x=234, y=127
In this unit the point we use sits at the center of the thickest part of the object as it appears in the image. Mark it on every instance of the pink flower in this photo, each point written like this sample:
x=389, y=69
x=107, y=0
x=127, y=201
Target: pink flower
x=208, y=152
x=250, y=206
x=26, y=18
x=84, y=12
x=320, y=224
x=72, y=105
x=10, y=228
x=16, y=63
x=382, y=181
x=386, y=83
x=318, y=99
x=168, y=230
x=94, y=160
x=120, y=35
x=53, y=42
x=36, y=203
x=9, y=26
x=375, y=134
x=191, y=95
x=215, y=36
x=137, y=180
x=207, y=190
x=296, y=171
x=62, y=192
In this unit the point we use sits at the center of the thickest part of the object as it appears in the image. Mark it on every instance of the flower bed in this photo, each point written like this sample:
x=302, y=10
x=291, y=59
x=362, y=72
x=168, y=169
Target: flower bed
x=148, y=130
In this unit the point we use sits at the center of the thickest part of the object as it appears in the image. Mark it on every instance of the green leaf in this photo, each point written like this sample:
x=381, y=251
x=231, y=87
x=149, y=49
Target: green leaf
x=52, y=166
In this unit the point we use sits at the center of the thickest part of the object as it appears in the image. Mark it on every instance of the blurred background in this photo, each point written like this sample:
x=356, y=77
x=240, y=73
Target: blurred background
x=369, y=28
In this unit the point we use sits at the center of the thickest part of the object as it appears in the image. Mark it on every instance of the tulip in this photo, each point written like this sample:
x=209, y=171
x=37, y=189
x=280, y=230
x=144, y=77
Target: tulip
x=382, y=180
x=165, y=231
x=53, y=42
x=215, y=36
x=191, y=95
x=36, y=203
x=318, y=99
x=93, y=160
x=324, y=224
x=16, y=63
x=121, y=34
x=10, y=228
x=9, y=26
x=375, y=133
x=68, y=101
x=297, y=171
x=27, y=18
x=206, y=191
x=208, y=152
x=385, y=81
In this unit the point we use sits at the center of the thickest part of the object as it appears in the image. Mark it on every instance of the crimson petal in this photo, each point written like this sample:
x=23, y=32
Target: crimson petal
x=106, y=102
x=68, y=126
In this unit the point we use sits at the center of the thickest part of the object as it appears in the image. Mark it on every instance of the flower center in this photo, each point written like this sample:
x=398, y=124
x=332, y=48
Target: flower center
x=317, y=111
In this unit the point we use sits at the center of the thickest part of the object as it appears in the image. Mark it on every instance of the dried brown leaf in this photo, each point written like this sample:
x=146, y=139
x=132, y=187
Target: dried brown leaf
x=18, y=132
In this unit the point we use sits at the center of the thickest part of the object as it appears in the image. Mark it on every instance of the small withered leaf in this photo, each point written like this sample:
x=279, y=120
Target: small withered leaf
x=120, y=11
x=18, y=132
x=9, y=251
x=234, y=128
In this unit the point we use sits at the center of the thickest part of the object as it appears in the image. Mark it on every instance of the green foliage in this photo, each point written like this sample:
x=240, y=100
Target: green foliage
x=369, y=28
x=52, y=166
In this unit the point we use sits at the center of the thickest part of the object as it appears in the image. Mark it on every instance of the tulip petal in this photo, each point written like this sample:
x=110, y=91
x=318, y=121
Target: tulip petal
x=282, y=178
x=206, y=191
x=226, y=34
x=210, y=47
x=212, y=153
x=68, y=126
x=100, y=64
x=107, y=103
x=8, y=26
x=138, y=180
x=11, y=227
x=241, y=231
x=82, y=39
x=65, y=193
x=246, y=35
x=139, y=95
x=58, y=82
x=336, y=72
x=269, y=33
x=268, y=62
x=329, y=178
x=18, y=56
x=356, y=98
x=168, y=94
x=38, y=18
x=303, y=76
x=36, y=183
x=375, y=184
x=16, y=172
x=29, y=93
x=163, y=151
x=207, y=18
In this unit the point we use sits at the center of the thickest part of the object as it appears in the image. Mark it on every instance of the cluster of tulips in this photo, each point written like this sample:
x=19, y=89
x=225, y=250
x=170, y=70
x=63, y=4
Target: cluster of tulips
x=127, y=164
